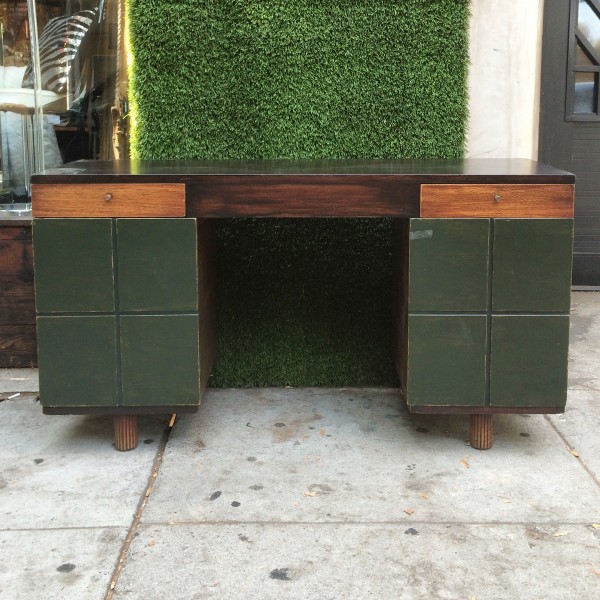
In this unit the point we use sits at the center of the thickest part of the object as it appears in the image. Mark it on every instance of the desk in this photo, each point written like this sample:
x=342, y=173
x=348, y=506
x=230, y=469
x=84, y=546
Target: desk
x=482, y=265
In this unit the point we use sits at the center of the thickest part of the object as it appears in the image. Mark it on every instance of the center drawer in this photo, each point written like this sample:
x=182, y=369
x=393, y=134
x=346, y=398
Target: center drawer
x=108, y=200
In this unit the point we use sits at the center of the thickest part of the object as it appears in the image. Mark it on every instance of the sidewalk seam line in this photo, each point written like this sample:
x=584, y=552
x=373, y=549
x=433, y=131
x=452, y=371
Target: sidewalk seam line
x=583, y=523
x=73, y=528
x=569, y=447
x=139, y=512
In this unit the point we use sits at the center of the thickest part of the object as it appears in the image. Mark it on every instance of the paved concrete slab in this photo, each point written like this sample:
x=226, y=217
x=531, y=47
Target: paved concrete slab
x=18, y=380
x=64, y=471
x=580, y=427
x=314, y=455
x=341, y=560
x=58, y=564
x=307, y=494
x=584, y=341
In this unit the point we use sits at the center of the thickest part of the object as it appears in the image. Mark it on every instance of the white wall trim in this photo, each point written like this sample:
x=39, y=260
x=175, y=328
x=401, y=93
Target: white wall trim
x=505, y=43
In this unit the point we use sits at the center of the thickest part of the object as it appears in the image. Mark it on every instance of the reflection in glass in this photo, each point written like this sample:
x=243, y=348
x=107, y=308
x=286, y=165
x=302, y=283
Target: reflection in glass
x=581, y=57
x=79, y=43
x=588, y=22
x=586, y=93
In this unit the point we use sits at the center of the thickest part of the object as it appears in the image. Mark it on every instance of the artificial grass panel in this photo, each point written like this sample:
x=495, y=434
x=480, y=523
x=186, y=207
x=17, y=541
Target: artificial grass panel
x=300, y=79
x=305, y=307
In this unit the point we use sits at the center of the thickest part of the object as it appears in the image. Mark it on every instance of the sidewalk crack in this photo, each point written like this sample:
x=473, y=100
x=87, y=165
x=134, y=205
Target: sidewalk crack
x=570, y=449
x=139, y=510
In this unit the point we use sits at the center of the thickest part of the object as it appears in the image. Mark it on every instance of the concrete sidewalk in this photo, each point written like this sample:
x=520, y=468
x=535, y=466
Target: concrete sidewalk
x=305, y=493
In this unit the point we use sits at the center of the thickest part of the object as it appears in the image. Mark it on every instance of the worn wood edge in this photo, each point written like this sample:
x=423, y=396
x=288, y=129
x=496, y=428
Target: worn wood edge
x=20, y=222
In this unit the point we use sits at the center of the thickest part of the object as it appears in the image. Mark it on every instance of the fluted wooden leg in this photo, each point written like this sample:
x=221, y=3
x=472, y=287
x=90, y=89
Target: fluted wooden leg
x=126, y=432
x=482, y=431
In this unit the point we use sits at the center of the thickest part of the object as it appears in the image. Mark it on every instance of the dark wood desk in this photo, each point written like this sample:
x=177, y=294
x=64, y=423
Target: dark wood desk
x=482, y=258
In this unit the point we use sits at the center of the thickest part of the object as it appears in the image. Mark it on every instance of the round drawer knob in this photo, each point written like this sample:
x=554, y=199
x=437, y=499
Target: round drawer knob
x=108, y=197
x=497, y=197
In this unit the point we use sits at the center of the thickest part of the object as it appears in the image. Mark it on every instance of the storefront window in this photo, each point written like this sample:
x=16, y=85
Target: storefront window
x=62, y=63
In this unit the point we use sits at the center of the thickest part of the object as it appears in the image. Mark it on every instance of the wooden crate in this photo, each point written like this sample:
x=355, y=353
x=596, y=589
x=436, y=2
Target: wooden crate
x=18, y=342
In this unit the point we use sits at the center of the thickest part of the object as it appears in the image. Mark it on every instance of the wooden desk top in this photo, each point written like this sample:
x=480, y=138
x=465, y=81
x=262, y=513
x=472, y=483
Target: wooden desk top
x=288, y=188
x=471, y=170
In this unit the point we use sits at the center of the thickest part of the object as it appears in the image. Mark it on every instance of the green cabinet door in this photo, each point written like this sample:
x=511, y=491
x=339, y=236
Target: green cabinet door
x=529, y=360
x=77, y=359
x=160, y=362
x=532, y=265
x=157, y=265
x=73, y=265
x=446, y=360
x=448, y=265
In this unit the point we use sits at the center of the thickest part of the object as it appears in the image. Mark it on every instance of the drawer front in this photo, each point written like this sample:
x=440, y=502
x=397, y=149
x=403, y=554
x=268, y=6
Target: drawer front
x=78, y=361
x=448, y=265
x=160, y=360
x=532, y=265
x=447, y=360
x=157, y=265
x=488, y=201
x=73, y=262
x=108, y=200
x=529, y=359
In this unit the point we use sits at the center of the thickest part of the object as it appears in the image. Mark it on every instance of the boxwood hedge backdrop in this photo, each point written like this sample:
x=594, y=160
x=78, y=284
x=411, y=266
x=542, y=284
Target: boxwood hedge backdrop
x=300, y=302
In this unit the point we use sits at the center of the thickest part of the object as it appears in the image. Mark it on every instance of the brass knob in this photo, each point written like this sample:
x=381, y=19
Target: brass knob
x=108, y=197
x=497, y=197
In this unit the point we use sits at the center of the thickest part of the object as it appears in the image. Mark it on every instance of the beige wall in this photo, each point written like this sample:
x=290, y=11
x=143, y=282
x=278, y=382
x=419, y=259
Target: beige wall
x=505, y=50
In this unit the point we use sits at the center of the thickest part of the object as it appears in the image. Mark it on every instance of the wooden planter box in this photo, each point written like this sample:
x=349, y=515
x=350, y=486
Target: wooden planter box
x=18, y=341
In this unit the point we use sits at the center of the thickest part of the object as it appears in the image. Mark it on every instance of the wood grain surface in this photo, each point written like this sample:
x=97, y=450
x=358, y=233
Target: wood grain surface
x=497, y=200
x=302, y=196
x=17, y=300
x=108, y=200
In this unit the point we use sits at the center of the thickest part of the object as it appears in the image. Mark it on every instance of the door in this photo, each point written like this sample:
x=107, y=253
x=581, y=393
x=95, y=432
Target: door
x=570, y=118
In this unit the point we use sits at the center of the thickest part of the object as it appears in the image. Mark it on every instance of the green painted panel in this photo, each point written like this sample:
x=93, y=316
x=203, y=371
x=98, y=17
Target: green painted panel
x=449, y=265
x=529, y=360
x=160, y=360
x=157, y=261
x=73, y=264
x=447, y=360
x=77, y=361
x=532, y=265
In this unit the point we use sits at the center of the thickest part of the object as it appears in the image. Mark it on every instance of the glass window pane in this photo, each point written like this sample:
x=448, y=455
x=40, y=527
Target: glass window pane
x=586, y=86
x=581, y=58
x=76, y=87
x=589, y=23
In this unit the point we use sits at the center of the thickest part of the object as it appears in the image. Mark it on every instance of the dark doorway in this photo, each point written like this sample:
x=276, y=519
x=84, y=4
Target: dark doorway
x=570, y=118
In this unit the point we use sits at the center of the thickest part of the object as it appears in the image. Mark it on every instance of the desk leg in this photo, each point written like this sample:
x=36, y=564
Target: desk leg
x=482, y=431
x=126, y=432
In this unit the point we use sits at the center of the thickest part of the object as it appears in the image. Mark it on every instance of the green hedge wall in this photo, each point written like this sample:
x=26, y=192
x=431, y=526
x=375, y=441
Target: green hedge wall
x=300, y=302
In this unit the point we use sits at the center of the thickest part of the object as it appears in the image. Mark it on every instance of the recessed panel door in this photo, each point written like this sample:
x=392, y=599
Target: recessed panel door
x=532, y=265
x=160, y=360
x=448, y=265
x=73, y=265
x=447, y=360
x=77, y=359
x=529, y=360
x=157, y=265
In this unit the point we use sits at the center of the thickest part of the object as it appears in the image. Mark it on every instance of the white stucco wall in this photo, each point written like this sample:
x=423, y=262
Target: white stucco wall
x=504, y=75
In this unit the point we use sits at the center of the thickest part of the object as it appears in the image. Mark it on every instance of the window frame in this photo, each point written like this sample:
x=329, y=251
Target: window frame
x=577, y=37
